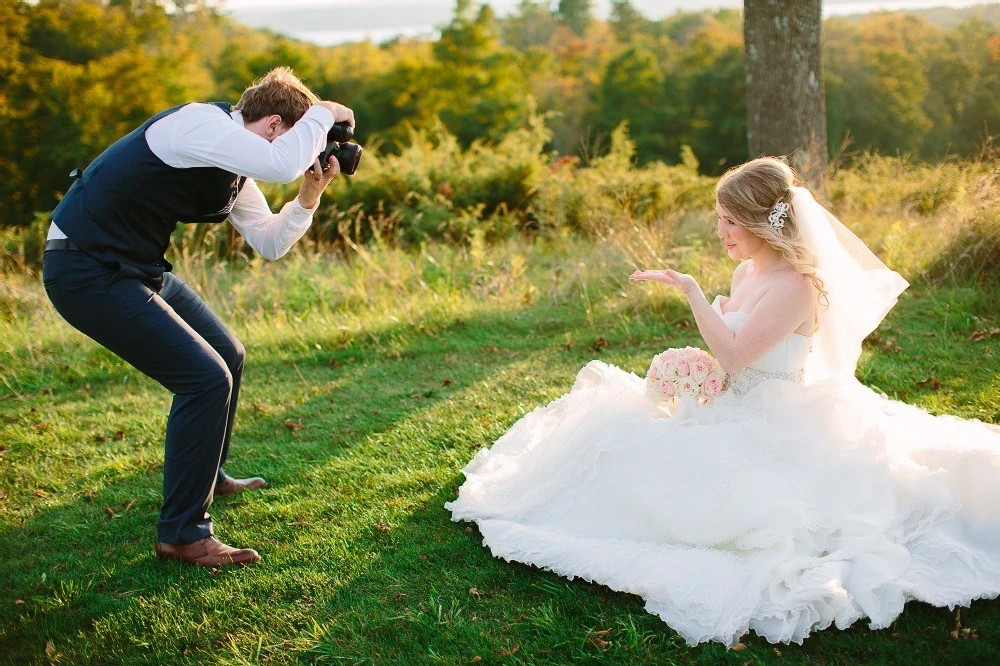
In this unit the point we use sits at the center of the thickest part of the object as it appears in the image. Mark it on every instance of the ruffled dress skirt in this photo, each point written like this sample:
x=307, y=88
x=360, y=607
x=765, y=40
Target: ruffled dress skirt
x=783, y=510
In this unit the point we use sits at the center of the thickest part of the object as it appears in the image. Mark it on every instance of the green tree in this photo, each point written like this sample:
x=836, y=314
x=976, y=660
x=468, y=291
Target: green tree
x=626, y=21
x=87, y=74
x=879, y=85
x=530, y=25
x=715, y=90
x=633, y=89
x=979, y=115
x=475, y=86
x=575, y=15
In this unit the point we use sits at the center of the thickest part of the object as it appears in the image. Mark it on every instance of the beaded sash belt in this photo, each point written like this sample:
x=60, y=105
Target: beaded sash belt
x=743, y=380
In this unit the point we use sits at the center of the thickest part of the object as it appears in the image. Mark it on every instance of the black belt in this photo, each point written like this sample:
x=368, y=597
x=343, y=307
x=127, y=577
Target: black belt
x=61, y=244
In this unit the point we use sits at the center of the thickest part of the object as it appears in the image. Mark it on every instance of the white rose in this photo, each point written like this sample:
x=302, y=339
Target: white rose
x=686, y=388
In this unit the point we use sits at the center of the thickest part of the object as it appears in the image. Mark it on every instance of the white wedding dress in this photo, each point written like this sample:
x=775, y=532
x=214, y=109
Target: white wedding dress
x=780, y=508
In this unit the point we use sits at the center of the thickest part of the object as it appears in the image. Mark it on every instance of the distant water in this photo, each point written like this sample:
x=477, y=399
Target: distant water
x=382, y=21
x=377, y=36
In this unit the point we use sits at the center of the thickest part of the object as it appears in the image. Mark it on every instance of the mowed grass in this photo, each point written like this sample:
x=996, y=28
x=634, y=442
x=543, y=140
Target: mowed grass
x=369, y=384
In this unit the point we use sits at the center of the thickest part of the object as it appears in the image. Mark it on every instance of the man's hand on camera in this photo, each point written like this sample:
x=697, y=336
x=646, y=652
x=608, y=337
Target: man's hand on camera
x=315, y=181
x=340, y=112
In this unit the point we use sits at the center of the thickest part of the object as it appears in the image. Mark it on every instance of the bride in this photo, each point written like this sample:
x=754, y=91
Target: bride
x=799, y=498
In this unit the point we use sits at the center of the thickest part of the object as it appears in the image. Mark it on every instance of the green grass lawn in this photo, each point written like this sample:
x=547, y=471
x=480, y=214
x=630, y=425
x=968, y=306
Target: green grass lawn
x=367, y=388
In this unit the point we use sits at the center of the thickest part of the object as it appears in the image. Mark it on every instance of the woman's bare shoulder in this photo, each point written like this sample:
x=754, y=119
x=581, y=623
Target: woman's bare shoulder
x=792, y=287
x=739, y=272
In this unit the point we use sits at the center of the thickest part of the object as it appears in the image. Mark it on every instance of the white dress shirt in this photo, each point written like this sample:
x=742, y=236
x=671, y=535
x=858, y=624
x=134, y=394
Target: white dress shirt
x=203, y=135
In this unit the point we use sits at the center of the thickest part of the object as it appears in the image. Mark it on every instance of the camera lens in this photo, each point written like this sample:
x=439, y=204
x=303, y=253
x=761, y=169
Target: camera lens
x=340, y=132
x=348, y=155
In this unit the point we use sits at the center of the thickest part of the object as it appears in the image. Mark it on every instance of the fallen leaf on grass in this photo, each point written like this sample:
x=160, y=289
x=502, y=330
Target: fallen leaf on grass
x=446, y=382
x=50, y=649
x=40, y=427
x=475, y=592
x=597, y=638
x=382, y=528
x=111, y=513
x=932, y=383
x=978, y=336
x=293, y=425
x=739, y=647
x=599, y=344
x=507, y=653
x=18, y=602
x=120, y=434
x=128, y=505
x=475, y=660
x=260, y=408
x=890, y=346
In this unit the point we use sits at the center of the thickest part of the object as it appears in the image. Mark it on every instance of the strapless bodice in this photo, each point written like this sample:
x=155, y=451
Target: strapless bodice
x=786, y=360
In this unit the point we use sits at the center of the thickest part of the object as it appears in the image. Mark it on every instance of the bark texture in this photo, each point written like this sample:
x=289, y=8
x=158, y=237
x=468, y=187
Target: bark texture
x=786, y=107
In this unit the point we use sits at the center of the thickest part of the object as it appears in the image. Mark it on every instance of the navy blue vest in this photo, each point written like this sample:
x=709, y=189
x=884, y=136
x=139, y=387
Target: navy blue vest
x=126, y=204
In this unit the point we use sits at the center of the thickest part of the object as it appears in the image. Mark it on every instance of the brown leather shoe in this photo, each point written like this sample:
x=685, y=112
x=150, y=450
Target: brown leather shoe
x=232, y=486
x=208, y=552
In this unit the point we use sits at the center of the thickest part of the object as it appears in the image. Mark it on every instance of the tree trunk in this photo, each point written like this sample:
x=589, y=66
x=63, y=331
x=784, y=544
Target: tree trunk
x=786, y=107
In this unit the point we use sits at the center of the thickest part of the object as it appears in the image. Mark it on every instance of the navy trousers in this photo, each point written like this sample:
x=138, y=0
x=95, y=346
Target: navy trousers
x=164, y=330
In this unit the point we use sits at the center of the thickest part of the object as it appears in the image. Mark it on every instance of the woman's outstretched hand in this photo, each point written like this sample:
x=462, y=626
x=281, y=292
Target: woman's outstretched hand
x=669, y=277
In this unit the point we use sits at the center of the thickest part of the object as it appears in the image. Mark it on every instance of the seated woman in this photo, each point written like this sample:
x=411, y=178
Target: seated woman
x=798, y=498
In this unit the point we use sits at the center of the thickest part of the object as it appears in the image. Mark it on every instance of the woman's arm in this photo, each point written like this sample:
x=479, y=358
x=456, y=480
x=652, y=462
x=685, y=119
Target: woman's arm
x=785, y=305
x=782, y=309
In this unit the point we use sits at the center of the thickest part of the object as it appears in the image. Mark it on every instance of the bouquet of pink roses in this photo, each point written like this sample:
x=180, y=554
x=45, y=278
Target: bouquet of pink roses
x=685, y=373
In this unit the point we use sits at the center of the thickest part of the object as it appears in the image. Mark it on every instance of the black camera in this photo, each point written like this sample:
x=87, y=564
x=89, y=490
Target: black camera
x=348, y=154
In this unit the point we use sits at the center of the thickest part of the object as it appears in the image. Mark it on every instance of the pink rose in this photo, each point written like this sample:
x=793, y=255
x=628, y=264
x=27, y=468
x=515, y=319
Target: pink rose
x=712, y=386
x=687, y=388
x=700, y=369
x=668, y=355
x=667, y=389
x=683, y=367
x=668, y=370
x=691, y=354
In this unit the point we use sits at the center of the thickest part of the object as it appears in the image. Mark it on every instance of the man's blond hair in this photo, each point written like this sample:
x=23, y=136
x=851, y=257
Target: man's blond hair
x=279, y=92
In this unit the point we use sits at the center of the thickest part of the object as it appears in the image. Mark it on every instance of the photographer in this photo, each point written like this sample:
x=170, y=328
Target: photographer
x=105, y=272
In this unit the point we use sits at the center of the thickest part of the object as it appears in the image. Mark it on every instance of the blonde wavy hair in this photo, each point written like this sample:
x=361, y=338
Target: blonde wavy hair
x=749, y=191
